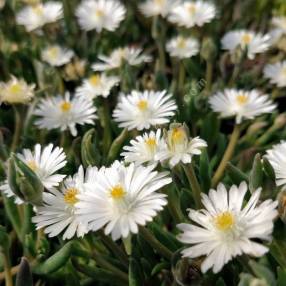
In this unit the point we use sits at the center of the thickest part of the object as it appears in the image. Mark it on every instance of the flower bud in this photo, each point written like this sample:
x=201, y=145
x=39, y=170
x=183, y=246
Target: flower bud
x=280, y=121
x=282, y=205
x=90, y=156
x=208, y=50
x=24, y=182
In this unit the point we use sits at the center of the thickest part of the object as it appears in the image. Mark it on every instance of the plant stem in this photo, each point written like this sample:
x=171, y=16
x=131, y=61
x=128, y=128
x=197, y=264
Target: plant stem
x=227, y=155
x=193, y=181
x=105, y=264
x=17, y=129
x=111, y=245
x=156, y=244
x=209, y=75
x=106, y=126
x=7, y=268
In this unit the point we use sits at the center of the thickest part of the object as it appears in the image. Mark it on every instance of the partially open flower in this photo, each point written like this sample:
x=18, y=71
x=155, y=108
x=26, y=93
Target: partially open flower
x=37, y=15
x=16, y=91
x=151, y=8
x=56, y=56
x=276, y=73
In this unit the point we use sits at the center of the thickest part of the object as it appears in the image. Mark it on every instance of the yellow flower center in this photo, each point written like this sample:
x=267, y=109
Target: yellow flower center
x=246, y=39
x=151, y=143
x=242, y=99
x=181, y=43
x=159, y=2
x=53, y=52
x=224, y=221
x=15, y=88
x=70, y=196
x=65, y=106
x=142, y=104
x=192, y=8
x=178, y=135
x=284, y=71
x=38, y=10
x=94, y=80
x=32, y=165
x=117, y=192
x=99, y=13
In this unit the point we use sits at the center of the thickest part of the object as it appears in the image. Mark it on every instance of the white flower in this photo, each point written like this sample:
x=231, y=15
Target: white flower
x=276, y=73
x=179, y=147
x=57, y=215
x=97, y=85
x=279, y=28
x=192, y=13
x=255, y=43
x=143, y=148
x=57, y=56
x=141, y=110
x=16, y=91
x=100, y=14
x=182, y=47
x=65, y=113
x=130, y=55
x=45, y=163
x=36, y=16
x=277, y=158
x=241, y=103
x=151, y=8
x=121, y=198
x=227, y=228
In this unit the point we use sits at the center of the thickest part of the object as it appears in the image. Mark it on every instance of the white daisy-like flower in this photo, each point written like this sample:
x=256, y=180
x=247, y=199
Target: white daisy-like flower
x=279, y=28
x=56, y=55
x=182, y=47
x=141, y=110
x=97, y=85
x=45, y=162
x=227, y=228
x=100, y=14
x=276, y=73
x=16, y=91
x=65, y=112
x=179, y=147
x=151, y=8
x=36, y=16
x=241, y=103
x=254, y=43
x=143, y=148
x=57, y=215
x=192, y=13
x=121, y=198
x=277, y=158
x=129, y=55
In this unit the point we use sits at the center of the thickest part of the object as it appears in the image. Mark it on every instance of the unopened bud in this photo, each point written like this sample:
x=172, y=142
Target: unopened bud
x=24, y=182
x=282, y=205
x=280, y=121
x=208, y=50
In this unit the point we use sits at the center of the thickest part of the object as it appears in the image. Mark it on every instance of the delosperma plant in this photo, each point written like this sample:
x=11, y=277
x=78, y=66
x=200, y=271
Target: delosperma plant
x=142, y=142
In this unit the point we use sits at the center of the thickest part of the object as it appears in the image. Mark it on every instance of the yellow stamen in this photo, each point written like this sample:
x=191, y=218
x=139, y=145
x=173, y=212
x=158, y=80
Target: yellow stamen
x=284, y=71
x=32, y=165
x=192, y=8
x=242, y=99
x=65, y=106
x=38, y=9
x=142, y=104
x=70, y=196
x=151, y=143
x=224, y=221
x=181, y=43
x=117, y=192
x=246, y=39
x=53, y=52
x=159, y=2
x=178, y=135
x=15, y=88
x=99, y=13
x=94, y=80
